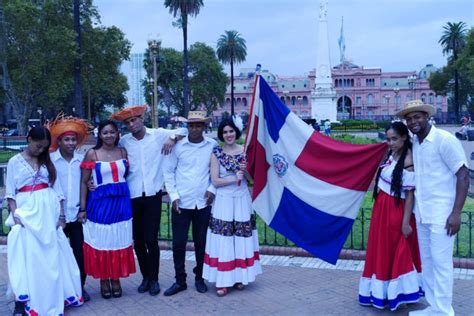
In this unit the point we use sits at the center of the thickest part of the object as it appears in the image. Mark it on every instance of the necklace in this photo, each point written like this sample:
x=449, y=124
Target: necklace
x=33, y=163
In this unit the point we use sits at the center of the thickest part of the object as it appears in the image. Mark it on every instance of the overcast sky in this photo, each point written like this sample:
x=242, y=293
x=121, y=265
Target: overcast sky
x=397, y=35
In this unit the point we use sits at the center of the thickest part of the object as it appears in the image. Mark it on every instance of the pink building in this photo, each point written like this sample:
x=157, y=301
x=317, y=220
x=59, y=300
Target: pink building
x=369, y=92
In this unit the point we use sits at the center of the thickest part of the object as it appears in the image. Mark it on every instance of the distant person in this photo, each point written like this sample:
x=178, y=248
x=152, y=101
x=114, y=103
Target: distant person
x=188, y=181
x=462, y=133
x=316, y=126
x=392, y=265
x=442, y=183
x=327, y=128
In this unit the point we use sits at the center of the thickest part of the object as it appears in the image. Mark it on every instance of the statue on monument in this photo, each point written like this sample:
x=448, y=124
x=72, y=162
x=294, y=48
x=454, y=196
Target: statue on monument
x=323, y=9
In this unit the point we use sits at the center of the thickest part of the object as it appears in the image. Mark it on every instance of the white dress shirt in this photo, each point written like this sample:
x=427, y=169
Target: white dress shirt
x=146, y=161
x=69, y=177
x=187, y=173
x=436, y=161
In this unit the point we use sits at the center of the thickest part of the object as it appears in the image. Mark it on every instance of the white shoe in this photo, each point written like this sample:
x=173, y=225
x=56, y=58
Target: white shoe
x=421, y=312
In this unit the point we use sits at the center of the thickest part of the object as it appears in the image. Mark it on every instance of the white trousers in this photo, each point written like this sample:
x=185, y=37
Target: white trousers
x=436, y=250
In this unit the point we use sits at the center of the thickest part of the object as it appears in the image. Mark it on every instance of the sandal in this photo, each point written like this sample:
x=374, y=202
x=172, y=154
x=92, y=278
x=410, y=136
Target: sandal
x=105, y=289
x=116, y=288
x=222, y=291
x=239, y=286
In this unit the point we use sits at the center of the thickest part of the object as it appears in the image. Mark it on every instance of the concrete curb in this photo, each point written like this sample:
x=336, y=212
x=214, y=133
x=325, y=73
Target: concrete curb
x=346, y=254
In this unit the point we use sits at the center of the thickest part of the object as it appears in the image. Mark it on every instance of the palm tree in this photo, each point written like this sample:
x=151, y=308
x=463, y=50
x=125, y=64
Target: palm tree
x=184, y=8
x=453, y=41
x=231, y=48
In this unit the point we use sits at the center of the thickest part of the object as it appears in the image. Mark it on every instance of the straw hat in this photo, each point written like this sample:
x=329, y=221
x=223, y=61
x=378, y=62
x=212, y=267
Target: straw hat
x=198, y=117
x=128, y=112
x=416, y=106
x=63, y=125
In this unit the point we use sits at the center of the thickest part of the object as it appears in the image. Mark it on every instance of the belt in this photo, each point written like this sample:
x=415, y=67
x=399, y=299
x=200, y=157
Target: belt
x=30, y=188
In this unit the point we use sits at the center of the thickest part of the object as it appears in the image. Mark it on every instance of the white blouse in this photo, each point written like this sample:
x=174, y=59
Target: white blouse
x=385, y=181
x=20, y=173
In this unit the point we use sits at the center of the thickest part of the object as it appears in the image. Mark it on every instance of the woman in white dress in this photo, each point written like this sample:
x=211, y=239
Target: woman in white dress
x=231, y=258
x=43, y=273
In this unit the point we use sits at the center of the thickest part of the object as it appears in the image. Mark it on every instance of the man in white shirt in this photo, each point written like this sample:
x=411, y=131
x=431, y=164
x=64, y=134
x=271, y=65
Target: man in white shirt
x=442, y=183
x=187, y=179
x=146, y=149
x=67, y=135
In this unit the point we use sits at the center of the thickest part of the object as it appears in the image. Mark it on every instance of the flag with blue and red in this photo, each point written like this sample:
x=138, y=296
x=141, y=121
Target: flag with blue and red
x=307, y=186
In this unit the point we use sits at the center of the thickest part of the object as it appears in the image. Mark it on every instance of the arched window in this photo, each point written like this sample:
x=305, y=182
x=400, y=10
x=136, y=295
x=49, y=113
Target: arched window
x=336, y=83
x=370, y=99
x=244, y=101
x=282, y=99
x=288, y=101
x=439, y=99
x=352, y=82
x=431, y=98
x=293, y=100
x=305, y=100
x=423, y=97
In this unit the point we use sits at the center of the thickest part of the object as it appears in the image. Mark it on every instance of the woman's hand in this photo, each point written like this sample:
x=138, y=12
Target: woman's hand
x=406, y=229
x=240, y=175
x=82, y=217
x=61, y=222
x=18, y=221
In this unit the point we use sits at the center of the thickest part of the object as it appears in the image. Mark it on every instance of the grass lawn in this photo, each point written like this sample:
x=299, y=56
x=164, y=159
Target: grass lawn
x=6, y=154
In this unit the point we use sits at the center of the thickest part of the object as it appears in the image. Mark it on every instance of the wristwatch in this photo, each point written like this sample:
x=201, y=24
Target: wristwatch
x=173, y=138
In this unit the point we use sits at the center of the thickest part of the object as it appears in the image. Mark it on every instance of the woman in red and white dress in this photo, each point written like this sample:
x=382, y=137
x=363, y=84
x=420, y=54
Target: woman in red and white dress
x=43, y=272
x=231, y=258
x=107, y=212
x=392, y=267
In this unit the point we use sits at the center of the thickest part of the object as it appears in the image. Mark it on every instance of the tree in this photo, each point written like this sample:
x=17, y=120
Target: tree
x=40, y=50
x=207, y=84
x=184, y=8
x=208, y=81
x=453, y=41
x=231, y=48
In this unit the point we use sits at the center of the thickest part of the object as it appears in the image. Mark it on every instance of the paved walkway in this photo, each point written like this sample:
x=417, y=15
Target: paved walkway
x=288, y=286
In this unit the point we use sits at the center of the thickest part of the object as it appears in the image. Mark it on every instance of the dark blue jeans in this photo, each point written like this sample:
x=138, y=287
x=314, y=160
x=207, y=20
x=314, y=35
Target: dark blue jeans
x=180, y=225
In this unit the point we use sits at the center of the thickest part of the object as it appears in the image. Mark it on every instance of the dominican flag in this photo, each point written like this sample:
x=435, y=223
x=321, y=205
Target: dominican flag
x=307, y=186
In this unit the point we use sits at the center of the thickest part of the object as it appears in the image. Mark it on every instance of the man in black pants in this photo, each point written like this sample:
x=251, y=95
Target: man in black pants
x=187, y=178
x=146, y=149
x=68, y=134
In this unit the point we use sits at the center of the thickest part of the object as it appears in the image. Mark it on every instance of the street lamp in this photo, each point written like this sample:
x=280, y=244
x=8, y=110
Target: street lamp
x=397, y=98
x=153, y=48
x=412, y=84
x=387, y=100
x=40, y=114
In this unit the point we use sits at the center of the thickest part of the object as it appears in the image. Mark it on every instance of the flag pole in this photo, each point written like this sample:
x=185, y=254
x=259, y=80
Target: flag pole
x=251, y=115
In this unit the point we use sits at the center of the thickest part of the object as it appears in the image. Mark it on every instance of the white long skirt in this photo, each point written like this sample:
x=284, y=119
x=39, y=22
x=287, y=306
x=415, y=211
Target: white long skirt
x=41, y=265
x=232, y=251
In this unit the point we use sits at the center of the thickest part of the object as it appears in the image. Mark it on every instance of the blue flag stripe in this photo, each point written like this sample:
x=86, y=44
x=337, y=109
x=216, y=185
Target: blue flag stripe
x=275, y=111
x=318, y=232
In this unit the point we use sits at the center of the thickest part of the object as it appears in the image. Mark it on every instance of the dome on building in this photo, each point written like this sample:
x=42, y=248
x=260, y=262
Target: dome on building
x=426, y=71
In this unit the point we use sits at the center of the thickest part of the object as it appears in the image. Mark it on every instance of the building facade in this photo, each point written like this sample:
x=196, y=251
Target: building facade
x=361, y=93
x=135, y=73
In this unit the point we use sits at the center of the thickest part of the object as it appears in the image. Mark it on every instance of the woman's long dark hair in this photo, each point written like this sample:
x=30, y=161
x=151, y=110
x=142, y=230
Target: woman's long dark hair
x=39, y=133
x=397, y=175
x=103, y=124
x=228, y=122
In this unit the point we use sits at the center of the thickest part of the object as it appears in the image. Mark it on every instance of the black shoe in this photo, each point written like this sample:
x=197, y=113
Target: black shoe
x=201, y=287
x=175, y=288
x=85, y=296
x=144, y=286
x=154, y=288
x=19, y=308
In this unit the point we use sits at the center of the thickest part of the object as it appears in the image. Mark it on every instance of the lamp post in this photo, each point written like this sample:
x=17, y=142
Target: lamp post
x=412, y=84
x=387, y=100
x=40, y=114
x=154, y=47
x=397, y=103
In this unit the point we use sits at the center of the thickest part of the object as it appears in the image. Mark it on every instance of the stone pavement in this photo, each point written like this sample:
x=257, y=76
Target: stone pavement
x=288, y=286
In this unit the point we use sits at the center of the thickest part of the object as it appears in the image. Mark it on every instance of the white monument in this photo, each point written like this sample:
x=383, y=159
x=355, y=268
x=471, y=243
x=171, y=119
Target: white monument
x=323, y=97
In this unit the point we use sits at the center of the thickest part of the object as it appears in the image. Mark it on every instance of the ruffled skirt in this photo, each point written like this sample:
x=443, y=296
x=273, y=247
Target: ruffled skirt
x=232, y=251
x=41, y=265
x=392, y=271
x=108, y=250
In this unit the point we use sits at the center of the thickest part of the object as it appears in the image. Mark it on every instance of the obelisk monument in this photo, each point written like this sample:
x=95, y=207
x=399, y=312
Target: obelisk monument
x=323, y=97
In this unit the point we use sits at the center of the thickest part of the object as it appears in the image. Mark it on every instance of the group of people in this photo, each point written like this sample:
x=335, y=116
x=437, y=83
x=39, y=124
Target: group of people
x=420, y=190
x=76, y=215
